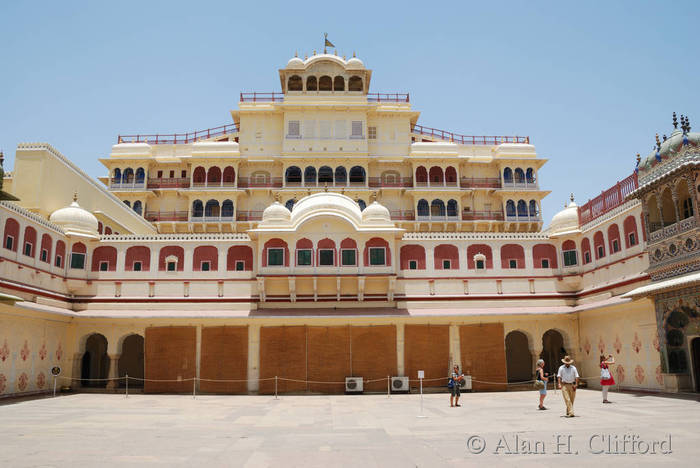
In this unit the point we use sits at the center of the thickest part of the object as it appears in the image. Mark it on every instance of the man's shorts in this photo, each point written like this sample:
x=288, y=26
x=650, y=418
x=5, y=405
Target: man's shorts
x=455, y=390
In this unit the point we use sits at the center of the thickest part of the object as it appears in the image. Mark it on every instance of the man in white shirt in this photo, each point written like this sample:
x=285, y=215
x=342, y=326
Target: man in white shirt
x=568, y=381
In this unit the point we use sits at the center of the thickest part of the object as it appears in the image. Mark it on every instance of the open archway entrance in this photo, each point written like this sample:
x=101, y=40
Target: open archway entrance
x=95, y=363
x=131, y=361
x=518, y=357
x=695, y=352
x=552, y=351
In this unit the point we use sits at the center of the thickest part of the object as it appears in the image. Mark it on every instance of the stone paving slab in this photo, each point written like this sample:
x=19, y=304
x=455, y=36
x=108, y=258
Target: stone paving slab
x=338, y=430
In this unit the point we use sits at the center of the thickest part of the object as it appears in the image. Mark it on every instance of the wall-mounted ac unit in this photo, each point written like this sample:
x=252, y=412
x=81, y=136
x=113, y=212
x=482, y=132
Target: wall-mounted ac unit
x=399, y=384
x=353, y=385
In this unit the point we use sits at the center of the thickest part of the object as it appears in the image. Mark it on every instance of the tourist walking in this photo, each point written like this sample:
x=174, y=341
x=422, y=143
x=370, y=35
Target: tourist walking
x=541, y=382
x=606, y=378
x=567, y=377
x=454, y=385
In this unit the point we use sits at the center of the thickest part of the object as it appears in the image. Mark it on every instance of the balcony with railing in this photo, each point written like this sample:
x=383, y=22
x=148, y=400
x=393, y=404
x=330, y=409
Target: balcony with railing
x=482, y=216
x=252, y=182
x=659, y=230
x=524, y=218
x=608, y=200
x=438, y=217
x=249, y=215
x=443, y=135
x=166, y=216
x=398, y=182
x=180, y=138
x=402, y=215
x=319, y=184
x=480, y=182
x=279, y=97
x=222, y=218
x=523, y=184
x=213, y=185
x=436, y=184
x=169, y=183
x=119, y=184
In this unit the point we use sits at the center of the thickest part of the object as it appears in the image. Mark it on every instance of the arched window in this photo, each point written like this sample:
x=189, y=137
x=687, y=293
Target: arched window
x=275, y=253
x=510, y=208
x=341, y=175
x=348, y=252
x=29, y=246
x=292, y=175
x=325, y=253
x=377, y=252
x=451, y=175
x=104, y=258
x=436, y=175
x=412, y=257
x=211, y=209
x=338, y=83
x=229, y=175
x=423, y=208
x=197, y=209
x=437, y=208
x=100, y=227
x=294, y=83
x=474, y=252
x=311, y=84
x=614, y=239
x=530, y=175
x=421, y=174
x=45, y=252
x=568, y=251
x=128, y=176
x=452, y=209
x=533, y=208
x=654, y=215
x=239, y=258
x=138, y=207
x=199, y=175
x=325, y=83
x=117, y=178
x=685, y=203
x=599, y=245
x=140, y=175
x=545, y=256
x=668, y=211
x=213, y=175
x=446, y=257
x=357, y=175
x=310, y=175
x=227, y=209
x=508, y=175
x=512, y=256
x=630, y=227
x=522, y=209
x=362, y=205
x=391, y=178
x=325, y=175
x=290, y=204
x=171, y=258
x=205, y=258
x=519, y=176
x=355, y=83
x=138, y=258
x=60, y=254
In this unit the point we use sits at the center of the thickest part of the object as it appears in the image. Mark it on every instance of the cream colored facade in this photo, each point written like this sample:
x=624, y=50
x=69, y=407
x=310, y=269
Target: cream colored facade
x=355, y=251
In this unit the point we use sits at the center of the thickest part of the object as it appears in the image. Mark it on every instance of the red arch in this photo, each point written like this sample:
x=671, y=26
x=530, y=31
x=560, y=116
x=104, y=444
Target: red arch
x=205, y=253
x=11, y=230
x=46, y=243
x=100, y=227
x=586, y=249
x=60, y=256
x=629, y=225
x=475, y=249
x=213, y=175
x=101, y=254
x=614, y=234
x=412, y=252
x=326, y=244
x=568, y=245
x=512, y=252
x=544, y=251
x=598, y=241
x=377, y=242
x=239, y=253
x=446, y=252
x=275, y=243
x=450, y=174
x=305, y=244
x=199, y=175
x=79, y=247
x=174, y=250
x=421, y=174
x=229, y=175
x=348, y=243
x=138, y=253
x=29, y=238
x=436, y=175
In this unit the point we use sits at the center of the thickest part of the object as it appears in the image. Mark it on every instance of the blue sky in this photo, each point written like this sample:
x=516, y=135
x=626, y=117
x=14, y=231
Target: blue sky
x=589, y=82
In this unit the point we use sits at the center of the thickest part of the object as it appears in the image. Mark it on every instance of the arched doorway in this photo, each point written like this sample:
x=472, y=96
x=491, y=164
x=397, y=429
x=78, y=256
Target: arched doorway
x=95, y=363
x=131, y=360
x=518, y=357
x=695, y=352
x=552, y=351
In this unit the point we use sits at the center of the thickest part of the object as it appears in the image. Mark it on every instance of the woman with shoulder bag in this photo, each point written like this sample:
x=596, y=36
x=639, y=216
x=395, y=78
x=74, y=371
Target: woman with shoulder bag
x=606, y=378
x=541, y=382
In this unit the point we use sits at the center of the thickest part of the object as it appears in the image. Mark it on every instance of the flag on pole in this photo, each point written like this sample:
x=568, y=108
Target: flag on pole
x=327, y=43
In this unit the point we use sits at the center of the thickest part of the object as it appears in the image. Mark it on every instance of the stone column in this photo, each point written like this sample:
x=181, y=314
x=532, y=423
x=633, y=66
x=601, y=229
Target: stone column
x=253, y=358
x=455, y=346
x=77, y=371
x=400, y=344
x=674, y=196
x=113, y=371
x=198, y=355
x=659, y=206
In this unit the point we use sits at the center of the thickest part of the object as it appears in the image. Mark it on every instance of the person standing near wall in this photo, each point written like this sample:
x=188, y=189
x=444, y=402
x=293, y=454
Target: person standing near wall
x=454, y=385
x=568, y=381
x=606, y=378
x=541, y=382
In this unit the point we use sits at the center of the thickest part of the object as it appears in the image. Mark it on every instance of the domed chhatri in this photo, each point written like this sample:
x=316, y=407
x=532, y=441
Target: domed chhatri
x=76, y=221
x=276, y=213
x=679, y=142
x=566, y=221
x=376, y=213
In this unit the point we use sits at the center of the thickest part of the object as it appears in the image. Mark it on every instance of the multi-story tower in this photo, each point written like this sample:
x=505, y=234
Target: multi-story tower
x=326, y=132
x=669, y=192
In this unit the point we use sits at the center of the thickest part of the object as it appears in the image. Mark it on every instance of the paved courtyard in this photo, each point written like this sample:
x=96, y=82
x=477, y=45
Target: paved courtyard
x=370, y=430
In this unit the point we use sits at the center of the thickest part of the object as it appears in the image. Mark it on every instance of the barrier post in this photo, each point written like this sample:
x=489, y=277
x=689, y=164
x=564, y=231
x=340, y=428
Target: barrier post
x=126, y=395
x=275, y=387
x=388, y=386
x=421, y=376
x=54, y=386
x=194, y=388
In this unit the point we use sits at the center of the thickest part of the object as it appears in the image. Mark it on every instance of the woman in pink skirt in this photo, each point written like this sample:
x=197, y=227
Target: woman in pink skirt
x=606, y=378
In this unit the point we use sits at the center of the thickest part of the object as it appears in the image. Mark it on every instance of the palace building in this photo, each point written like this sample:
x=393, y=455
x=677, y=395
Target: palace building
x=326, y=234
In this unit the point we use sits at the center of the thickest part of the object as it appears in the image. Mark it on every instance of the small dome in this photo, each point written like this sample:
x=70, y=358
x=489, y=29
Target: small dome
x=376, y=213
x=295, y=63
x=75, y=220
x=275, y=213
x=566, y=220
x=355, y=63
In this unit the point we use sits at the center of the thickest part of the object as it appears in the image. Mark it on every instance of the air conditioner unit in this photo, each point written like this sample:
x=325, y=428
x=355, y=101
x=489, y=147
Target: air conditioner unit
x=353, y=385
x=466, y=384
x=399, y=384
